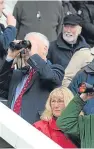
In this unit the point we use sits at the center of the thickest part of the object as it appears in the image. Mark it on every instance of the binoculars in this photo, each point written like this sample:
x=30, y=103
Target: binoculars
x=20, y=45
x=85, y=88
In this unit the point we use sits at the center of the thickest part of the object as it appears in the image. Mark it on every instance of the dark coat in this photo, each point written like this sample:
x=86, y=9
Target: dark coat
x=77, y=4
x=61, y=52
x=82, y=76
x=46, y=78
x=49, y=22
x=68, y=8
x=88, y=22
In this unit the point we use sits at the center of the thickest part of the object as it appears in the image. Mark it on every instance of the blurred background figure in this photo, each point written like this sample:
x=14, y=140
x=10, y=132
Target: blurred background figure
x=86, y=10
x=87, y=14
x=68, y=8
x=45, y=17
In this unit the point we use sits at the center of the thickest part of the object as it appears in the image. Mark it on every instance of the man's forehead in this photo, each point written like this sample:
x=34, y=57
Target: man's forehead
x=33, y=38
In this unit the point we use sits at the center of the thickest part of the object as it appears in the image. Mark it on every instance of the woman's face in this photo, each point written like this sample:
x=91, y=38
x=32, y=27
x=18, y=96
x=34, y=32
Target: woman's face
x=57, y=105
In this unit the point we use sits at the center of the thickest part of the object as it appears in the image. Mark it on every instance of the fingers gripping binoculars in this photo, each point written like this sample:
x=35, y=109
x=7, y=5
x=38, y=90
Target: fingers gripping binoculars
x=85, y=88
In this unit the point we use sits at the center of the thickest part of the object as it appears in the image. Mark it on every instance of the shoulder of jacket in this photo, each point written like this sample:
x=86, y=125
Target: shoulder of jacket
x=40, y=124
x=53, y=43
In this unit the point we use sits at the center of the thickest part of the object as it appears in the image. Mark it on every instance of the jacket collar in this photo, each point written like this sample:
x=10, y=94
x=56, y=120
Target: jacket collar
x=81, y=43
x=52, y=124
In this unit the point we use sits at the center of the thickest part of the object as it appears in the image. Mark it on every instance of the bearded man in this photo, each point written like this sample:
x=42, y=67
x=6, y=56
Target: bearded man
x=68, y=42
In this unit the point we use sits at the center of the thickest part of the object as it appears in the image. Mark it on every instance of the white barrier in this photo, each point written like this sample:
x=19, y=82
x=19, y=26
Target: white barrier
x=20, y=134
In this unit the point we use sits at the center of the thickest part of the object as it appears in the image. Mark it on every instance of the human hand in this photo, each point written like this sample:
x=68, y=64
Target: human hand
x=39, y=49
x=11, y=20
x=34, y=48
x=14, y=53
x=87, y=96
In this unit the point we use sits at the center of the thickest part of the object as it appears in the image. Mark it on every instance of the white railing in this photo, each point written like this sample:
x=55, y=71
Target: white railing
x=20, y=134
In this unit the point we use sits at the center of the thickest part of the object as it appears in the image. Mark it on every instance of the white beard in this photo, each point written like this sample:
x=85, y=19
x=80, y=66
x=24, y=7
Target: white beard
x=69, y=38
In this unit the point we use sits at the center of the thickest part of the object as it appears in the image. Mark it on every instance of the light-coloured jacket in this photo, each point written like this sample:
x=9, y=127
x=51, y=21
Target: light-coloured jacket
x=80, y=59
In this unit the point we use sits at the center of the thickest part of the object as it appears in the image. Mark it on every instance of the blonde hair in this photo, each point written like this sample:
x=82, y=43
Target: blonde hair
x=61, y=92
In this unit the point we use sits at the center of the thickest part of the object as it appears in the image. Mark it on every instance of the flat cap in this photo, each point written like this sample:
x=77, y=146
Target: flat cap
x=73, y=19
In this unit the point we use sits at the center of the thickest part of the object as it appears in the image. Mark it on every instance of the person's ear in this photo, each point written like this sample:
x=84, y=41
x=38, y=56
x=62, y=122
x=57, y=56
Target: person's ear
x=45, y=48
x=45, y=51
x=79, y=30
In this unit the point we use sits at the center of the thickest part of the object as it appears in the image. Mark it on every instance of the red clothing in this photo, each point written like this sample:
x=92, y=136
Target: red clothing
x=50, y=129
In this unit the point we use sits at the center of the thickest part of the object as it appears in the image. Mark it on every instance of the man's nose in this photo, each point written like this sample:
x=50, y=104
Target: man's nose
x=68, y=29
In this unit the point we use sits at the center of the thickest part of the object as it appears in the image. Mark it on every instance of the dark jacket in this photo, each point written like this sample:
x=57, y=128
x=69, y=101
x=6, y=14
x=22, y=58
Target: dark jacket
x=88, y=22
x=49, y=22
x=61, y=52
x=46, y=78
x=50, y=129
x=77, y=4
x=82, y=76
x=68, y=8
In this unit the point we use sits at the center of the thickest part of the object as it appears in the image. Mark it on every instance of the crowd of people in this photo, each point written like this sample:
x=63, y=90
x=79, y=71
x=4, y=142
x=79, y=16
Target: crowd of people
x=46, y=52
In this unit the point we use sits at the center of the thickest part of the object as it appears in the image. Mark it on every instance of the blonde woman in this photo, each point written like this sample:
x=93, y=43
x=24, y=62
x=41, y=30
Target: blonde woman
x=57, y=101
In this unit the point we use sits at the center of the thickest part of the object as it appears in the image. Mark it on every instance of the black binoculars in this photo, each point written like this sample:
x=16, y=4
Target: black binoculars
x=20, y=45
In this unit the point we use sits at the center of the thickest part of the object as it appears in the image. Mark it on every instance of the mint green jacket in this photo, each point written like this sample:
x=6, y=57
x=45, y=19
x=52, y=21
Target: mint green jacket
x=82, y=126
